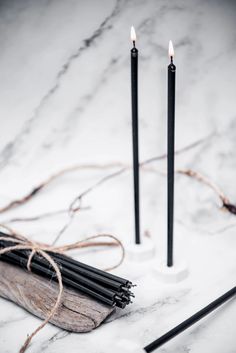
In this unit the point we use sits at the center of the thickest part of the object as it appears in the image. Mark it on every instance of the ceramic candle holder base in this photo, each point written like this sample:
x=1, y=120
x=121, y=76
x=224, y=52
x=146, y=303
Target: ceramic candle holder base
x=140, y=252
x=126, y=346
x=174, y=274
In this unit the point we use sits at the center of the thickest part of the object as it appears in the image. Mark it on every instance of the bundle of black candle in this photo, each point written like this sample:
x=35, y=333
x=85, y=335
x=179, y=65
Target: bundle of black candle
x=103, y=286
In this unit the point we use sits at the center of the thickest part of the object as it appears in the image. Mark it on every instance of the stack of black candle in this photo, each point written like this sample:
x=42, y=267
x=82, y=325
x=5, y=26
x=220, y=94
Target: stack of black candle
x=105, y=287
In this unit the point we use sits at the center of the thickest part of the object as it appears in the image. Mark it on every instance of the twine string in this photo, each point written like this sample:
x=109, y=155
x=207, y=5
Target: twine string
x=23, y=243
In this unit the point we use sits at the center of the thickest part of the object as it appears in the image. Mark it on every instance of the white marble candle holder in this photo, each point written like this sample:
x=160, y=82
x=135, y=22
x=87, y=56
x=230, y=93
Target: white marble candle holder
x=126, y=346
x=140, y=252
x=174, y=274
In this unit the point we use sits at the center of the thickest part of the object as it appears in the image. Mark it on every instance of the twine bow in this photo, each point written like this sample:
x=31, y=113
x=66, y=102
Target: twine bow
x=23, y=243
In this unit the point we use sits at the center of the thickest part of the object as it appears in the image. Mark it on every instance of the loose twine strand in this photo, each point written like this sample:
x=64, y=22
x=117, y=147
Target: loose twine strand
x=21, y=201
x=23, y=243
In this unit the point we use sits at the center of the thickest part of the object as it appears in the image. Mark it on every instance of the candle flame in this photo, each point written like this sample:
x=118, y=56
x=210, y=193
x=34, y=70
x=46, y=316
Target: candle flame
x=133, y=34
x=171, y=49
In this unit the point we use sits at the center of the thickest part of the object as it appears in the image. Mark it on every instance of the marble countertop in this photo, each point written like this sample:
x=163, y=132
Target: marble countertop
x=65, y=100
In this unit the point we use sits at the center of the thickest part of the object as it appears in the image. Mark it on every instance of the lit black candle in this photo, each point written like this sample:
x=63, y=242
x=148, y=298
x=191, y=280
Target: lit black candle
x=171, y=151
x=134, y=101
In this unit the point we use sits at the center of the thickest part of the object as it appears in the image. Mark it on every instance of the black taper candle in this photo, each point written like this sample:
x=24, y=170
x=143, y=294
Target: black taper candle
x=134, y=101
x=191, y=321
x=171, y=155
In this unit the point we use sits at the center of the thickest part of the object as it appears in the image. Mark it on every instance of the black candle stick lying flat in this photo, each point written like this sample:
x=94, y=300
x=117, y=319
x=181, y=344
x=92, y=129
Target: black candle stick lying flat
x=190, y=321
x=103, y=286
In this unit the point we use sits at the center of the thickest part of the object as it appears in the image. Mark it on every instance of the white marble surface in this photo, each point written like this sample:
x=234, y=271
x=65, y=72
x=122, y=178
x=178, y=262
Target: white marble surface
x=65, y=100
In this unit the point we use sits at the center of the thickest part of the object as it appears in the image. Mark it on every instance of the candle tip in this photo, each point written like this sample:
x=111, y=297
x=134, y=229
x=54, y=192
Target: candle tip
x=133, y=34
x=171, y=49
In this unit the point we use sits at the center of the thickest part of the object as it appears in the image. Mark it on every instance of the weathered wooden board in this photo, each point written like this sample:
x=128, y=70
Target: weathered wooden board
x=77, y=312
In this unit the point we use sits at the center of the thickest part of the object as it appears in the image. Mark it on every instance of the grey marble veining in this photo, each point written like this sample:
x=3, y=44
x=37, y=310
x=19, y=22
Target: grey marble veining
x=65, y=100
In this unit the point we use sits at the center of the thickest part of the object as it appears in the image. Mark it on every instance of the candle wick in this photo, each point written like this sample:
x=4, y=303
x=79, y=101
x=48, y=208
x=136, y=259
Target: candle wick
x=171, y=59
x=134, y=43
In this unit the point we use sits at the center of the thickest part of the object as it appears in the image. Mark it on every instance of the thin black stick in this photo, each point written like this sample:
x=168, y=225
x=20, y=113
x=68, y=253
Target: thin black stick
x=170, y=161
x=190, y=321
x=134, y=101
